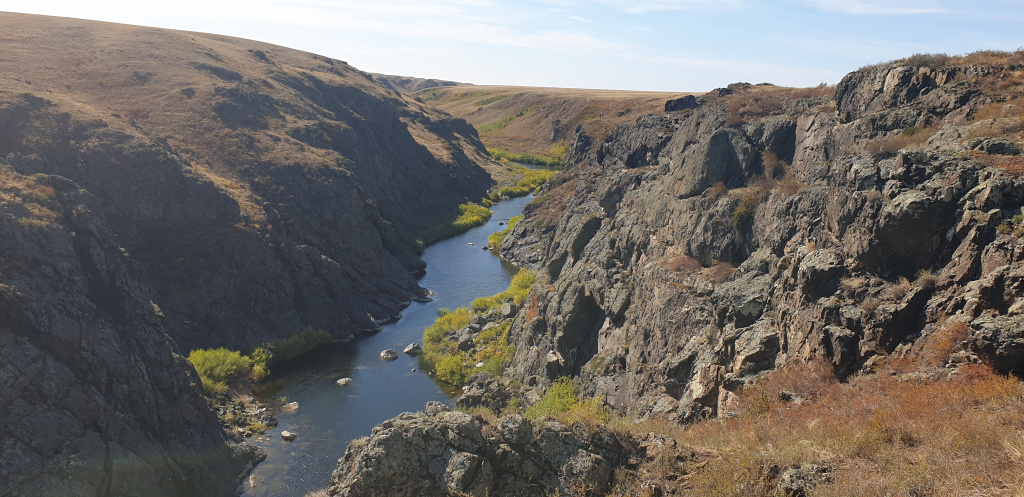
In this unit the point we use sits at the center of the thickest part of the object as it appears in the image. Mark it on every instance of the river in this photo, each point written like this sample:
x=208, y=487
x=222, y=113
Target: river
x=331, y=416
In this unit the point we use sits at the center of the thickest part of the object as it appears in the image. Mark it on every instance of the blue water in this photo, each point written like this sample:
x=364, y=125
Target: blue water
x=330, y=416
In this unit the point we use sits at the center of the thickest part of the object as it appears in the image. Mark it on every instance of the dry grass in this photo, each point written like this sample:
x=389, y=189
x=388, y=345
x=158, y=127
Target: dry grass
x=876, y=434
x=761, y=101
x=719, y=272
x=889, y=145
x=29, y=203
x=1013, y=165
x=682, y=264
x=898, y=290
x=558, y=112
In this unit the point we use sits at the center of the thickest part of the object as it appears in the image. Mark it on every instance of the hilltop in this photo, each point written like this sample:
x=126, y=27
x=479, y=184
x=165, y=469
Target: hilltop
x=517, y=121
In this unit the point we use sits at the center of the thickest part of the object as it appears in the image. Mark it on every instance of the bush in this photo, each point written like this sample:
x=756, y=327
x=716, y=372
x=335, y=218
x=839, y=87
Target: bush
x=451, y=370
x=214, y=387
x=532, y=178
x=218, y=368
x=560, y=397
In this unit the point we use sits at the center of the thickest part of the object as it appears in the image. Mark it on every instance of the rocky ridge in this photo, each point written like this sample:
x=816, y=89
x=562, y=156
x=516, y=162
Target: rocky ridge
x=685, y=254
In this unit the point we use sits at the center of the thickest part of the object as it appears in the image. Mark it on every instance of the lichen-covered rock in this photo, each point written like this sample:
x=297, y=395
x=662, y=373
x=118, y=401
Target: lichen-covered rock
x=663, y=292
x=453, y=453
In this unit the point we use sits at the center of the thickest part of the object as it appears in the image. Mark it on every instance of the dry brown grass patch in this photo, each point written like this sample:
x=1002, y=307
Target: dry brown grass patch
x=889, y=145
x=1011, y=164
x=877, y=434
x=898, y=290
x=682, y=264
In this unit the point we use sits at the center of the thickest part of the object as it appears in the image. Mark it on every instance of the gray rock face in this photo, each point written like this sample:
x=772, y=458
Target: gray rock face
x=662, y=294
x=88, y=379
x=452, y=453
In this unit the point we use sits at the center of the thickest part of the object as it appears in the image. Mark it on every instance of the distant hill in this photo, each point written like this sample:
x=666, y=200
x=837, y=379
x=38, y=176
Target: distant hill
x=162, y=191
x=406, y=84
x=541, y=121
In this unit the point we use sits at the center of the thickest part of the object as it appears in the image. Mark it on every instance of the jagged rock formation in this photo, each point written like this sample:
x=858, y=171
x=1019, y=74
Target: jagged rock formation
x=671, y=271
x=442, y=452
x=163, y=191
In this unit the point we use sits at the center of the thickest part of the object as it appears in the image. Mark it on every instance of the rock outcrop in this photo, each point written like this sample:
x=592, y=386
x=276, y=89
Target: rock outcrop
x=95, y=400
x=685, y=254
x=443, y=452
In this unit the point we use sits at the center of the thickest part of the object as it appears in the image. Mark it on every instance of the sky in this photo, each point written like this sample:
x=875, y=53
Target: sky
x=660, y=45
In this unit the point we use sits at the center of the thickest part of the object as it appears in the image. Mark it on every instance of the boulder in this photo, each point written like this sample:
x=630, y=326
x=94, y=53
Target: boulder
x=797, y=481
x=388, y=354
x=290, y=407
x=344, y=382
x=484, y=390
x=466, y=343
x=999, y=146
x=508, y=310
x=288, y=436
x=413, y=349
x=684, y=103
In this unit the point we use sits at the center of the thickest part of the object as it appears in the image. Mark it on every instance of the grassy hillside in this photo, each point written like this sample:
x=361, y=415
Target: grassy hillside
x=516, y=120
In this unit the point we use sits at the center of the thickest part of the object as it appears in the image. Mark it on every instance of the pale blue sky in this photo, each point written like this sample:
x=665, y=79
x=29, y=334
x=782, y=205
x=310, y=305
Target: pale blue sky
x=671, y=45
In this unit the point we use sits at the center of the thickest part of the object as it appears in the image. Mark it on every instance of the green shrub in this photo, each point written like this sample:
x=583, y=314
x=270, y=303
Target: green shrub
x=470, y=215
x=451, y=370
x=743, y=217
x=221, y=364
x=214, y=387
x=532, y=178
x=516, y=292
x=560, y=397
x=556, y=160
x=496, y=239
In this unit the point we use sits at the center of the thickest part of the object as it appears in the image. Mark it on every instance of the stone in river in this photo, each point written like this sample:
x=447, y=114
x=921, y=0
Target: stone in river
x=413, y=349
x=344, y=381
x=389, y=354
x=288, y=436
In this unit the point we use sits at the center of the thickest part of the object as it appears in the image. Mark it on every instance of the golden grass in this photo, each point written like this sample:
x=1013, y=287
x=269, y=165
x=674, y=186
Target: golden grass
x=877, y=434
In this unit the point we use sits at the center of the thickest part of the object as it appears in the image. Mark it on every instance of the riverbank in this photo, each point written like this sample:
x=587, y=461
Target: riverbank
x=329, y=416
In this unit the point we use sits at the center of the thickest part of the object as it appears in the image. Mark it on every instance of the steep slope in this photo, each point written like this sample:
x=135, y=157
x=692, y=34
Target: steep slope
x=541, y=121
x=684, y=254
x=94, y=399
x=264, y=190
x=162, y=191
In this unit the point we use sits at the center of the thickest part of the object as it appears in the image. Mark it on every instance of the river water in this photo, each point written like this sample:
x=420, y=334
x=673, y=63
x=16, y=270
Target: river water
x=330, y=416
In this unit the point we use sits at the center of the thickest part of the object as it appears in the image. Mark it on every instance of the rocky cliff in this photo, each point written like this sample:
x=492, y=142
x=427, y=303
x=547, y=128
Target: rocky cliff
x=164, y=191
x=95, y=399
x=684, y=254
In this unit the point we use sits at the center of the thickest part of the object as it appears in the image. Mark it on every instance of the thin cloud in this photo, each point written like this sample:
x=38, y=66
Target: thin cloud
x=580, y=19
x=881, y=7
